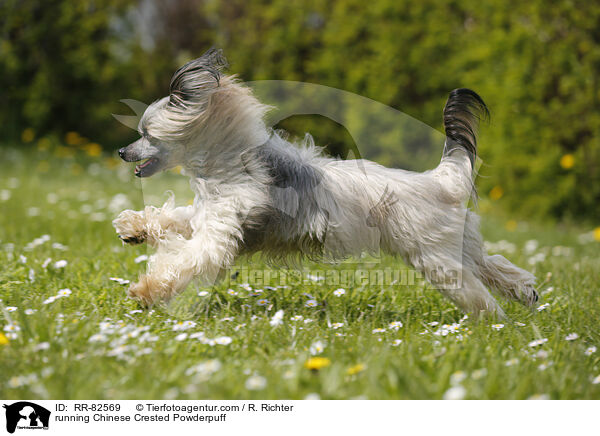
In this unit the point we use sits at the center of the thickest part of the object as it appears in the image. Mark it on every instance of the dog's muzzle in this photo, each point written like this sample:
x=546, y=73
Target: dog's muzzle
x=137, y=151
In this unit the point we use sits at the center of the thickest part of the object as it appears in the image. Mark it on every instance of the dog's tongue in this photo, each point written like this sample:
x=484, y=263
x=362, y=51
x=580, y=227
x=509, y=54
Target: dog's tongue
x=145, y=164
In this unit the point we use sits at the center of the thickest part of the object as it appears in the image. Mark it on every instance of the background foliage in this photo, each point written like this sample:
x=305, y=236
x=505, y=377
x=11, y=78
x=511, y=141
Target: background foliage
x=64, y=66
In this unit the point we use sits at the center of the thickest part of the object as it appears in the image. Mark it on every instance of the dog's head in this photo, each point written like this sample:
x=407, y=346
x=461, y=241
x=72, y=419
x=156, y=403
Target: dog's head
x=174, y=124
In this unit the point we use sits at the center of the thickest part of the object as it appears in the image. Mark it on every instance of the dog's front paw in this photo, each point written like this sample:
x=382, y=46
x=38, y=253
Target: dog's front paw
x=131, y=227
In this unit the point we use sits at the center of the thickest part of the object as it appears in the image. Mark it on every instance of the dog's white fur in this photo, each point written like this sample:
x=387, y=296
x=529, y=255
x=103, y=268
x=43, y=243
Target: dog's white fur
x=255, y=191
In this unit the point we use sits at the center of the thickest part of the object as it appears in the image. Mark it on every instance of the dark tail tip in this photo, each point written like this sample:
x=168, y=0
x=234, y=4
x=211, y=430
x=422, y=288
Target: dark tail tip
x=462, y=114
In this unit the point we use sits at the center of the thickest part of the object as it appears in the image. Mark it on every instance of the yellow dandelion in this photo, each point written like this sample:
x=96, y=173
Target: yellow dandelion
x=111, y=162
x=496, y=193
x=567, y=161
x=43, y=166
x=28, y=135
x=356, y=369
x=76, y=169
x=316, y=363
x=62, y=151
x=3, y=339
x=93, y=149
x=177, y=169
x=511, y=225
x=597, y=234
x=73, y=138
x=43, y=144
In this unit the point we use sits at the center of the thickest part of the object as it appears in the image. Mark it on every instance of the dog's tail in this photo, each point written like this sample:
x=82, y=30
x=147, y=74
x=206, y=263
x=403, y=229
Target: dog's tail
x=462, y=113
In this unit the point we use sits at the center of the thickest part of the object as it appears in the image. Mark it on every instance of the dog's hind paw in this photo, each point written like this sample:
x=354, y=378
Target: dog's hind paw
x=140, y=291
x=149, y=290
x=529, y=295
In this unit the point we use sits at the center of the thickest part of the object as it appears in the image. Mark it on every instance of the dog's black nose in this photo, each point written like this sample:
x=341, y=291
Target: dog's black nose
x=122, y=153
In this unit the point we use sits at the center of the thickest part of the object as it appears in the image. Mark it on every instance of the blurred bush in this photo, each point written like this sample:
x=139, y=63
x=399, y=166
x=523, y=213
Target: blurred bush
x=64, y=66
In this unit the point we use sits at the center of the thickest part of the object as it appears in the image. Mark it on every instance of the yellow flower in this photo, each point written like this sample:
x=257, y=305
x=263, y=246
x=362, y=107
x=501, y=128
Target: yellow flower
x=511, y=225
x=62, y=151
x=43, y=144
x=111, y=162
x=93, y=149
x=73, y=138
x=28, y=135
x=76, y=169
x=597, y=234
x=567, y=161
x=3, y=339
x=496, y=193
x=43, y=166
x=356, y=369
x=316, y=363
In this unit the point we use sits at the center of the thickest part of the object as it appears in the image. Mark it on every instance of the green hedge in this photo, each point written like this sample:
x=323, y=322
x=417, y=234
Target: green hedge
x=64, y=65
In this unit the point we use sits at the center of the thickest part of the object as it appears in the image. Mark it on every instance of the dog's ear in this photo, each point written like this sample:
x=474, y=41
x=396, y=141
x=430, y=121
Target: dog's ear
x=189, y=82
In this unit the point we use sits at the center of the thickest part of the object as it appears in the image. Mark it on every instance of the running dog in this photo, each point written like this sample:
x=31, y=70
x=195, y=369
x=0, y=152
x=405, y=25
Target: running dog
x=255, y=191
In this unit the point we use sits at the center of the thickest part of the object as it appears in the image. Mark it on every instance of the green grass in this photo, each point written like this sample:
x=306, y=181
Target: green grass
x=73, y=201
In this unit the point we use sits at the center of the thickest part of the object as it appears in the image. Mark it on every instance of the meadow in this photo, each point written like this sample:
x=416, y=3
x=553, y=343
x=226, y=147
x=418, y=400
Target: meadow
x=69, y=332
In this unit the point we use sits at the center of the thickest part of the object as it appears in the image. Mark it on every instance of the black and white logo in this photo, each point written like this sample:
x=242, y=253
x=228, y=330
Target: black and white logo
x=26, y=415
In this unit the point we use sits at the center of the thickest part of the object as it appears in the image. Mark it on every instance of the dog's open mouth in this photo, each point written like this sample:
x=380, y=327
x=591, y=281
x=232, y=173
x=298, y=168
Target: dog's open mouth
x=147, y=168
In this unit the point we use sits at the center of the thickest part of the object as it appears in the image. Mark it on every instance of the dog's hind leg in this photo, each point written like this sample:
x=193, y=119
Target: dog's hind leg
x=508, y=280
x=465, y=290
x=497, y=272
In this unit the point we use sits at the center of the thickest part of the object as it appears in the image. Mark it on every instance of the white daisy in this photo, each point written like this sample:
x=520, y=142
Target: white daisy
x=256, y=383
x=395, y=325
x=277, y=319
x=223, y=340
x=538, y=342
x=455, y=393
x=50, y=300
x=457, y=378
x=590, y=350
x=60, y=264
x=339, y=292
x=142, y=258
x=317, y=347
x=183, y=325
x=98, y=337
x=571, y=337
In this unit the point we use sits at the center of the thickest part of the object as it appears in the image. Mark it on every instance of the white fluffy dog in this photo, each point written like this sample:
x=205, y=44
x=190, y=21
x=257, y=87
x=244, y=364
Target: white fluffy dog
x=255, y=191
